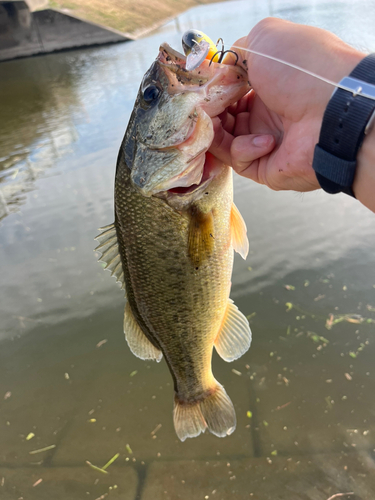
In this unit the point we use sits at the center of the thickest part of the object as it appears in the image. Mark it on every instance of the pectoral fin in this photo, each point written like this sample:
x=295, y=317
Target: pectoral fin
x=201, y=237
x=138, y=343
x=234, y=338
x=109, y=249
x=239, y=237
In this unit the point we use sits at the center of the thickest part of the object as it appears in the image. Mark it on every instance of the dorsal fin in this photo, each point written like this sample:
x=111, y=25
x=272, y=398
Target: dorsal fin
x=201, y=236
x=234, y=338
x=138, y=343
x=108, y=247
x=240, y=242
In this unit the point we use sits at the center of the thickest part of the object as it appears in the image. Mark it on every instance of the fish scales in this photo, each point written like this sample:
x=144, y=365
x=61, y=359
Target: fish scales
x=165, y=287
x=171, y=245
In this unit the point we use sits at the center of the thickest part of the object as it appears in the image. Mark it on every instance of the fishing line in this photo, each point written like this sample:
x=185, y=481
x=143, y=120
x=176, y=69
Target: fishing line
x=326, y=80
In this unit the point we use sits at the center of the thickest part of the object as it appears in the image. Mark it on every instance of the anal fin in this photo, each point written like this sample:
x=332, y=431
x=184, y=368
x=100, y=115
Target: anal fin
x=239, y=232
x=234, y=338
x=138, y=343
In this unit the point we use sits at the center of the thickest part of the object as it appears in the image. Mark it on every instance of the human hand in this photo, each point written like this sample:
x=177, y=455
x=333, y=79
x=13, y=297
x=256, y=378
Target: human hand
x=270, y=134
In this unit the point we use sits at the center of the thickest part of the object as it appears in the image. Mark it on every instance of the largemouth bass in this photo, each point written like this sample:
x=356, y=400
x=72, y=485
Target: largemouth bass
x=171, y=245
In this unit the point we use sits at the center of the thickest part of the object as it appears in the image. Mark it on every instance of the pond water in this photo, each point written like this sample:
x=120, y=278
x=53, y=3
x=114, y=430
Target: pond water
x=303, y=393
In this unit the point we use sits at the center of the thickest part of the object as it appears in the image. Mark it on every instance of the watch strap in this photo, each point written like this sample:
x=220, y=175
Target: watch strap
x=343, y=131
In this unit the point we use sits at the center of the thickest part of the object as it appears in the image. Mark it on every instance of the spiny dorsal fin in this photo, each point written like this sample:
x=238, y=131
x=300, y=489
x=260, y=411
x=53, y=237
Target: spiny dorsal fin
x=108, y=247
x=201, y=236
x=138, y=343
x=240, y=242
x=234, y=338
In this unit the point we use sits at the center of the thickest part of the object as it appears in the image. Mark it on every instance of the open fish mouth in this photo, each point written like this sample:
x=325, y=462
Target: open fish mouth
x=210, y=169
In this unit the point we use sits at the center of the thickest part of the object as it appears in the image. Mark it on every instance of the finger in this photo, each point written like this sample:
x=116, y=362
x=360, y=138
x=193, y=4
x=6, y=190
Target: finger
x=244, y=104
x=228, y=121
x=247, y=148
x=242, y=124
x=221, y=144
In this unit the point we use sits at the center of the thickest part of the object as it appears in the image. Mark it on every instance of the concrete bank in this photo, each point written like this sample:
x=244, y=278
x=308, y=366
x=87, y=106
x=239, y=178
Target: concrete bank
x=24, y=33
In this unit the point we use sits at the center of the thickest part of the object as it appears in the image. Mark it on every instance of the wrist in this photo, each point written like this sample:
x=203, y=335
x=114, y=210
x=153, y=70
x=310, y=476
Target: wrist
x=364, y=180
x=344, y=127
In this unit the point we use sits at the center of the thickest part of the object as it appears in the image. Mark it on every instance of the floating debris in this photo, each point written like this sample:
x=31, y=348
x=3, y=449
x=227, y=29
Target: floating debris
x=274, y=453
x=329, y=402
x=115, y=457
x=337, y=495
x=236, y=372
x=37, y=482
x=134, y=373
x=155, y=430
x=249, y=414
x=47, y=448
x=290, y=287
x=98, y=469
x=348, y=376
x=91, y=420
x=283, y=406
x=317, y=338
x=66, y=375
x=249, y=316
x=265, y=423
x=319, y=297
x=289, y=306
x=102, y=497
x=7, y=395
x=349, y=318
x=30, y=436
x=102, y=342
x=128, y=449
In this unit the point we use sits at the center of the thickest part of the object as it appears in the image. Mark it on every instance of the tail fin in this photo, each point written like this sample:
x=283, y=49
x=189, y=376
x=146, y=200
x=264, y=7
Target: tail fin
x=214, y=412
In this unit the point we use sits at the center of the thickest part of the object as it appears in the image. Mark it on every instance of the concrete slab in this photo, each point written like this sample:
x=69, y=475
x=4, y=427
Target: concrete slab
x=41, y=392
x=131, y=402
x=67, y=483
x=51, y=30
x=298, y=478
x=318, y=405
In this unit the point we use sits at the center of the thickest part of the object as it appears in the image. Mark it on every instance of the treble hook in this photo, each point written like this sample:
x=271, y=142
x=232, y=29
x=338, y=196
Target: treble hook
x=222, y=53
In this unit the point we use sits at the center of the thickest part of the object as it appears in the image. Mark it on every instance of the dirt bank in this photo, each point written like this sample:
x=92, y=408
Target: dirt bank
x=129, y=16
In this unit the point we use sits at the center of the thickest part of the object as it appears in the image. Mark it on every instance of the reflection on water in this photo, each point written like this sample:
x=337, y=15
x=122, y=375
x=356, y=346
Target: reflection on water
x=303, y=393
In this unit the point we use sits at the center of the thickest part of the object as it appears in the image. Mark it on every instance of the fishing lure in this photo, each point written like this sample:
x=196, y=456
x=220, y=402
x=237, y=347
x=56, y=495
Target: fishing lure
x=198, y=47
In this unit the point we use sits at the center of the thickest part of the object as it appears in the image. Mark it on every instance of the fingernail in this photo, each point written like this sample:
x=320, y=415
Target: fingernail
x=262, y=141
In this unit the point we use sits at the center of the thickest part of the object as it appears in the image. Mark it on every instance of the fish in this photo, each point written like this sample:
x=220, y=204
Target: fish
x=171, y=244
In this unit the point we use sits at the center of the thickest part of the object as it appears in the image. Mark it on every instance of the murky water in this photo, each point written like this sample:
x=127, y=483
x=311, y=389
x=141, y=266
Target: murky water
x=304, y=393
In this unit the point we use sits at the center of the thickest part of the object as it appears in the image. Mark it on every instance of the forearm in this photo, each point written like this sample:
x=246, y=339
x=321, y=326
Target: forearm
x=364, y=181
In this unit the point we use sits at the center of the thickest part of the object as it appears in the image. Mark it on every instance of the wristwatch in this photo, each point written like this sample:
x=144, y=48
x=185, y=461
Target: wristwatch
x=347, y=119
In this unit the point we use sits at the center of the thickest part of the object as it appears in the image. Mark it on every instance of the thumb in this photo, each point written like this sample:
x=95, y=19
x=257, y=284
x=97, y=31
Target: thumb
x=247, y=148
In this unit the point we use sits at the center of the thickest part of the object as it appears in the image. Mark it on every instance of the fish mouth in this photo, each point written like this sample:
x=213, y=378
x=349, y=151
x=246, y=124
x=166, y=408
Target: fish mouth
x=208, y=172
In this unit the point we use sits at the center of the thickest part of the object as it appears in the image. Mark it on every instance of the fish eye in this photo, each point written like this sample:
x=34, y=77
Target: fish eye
x=151, y=93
